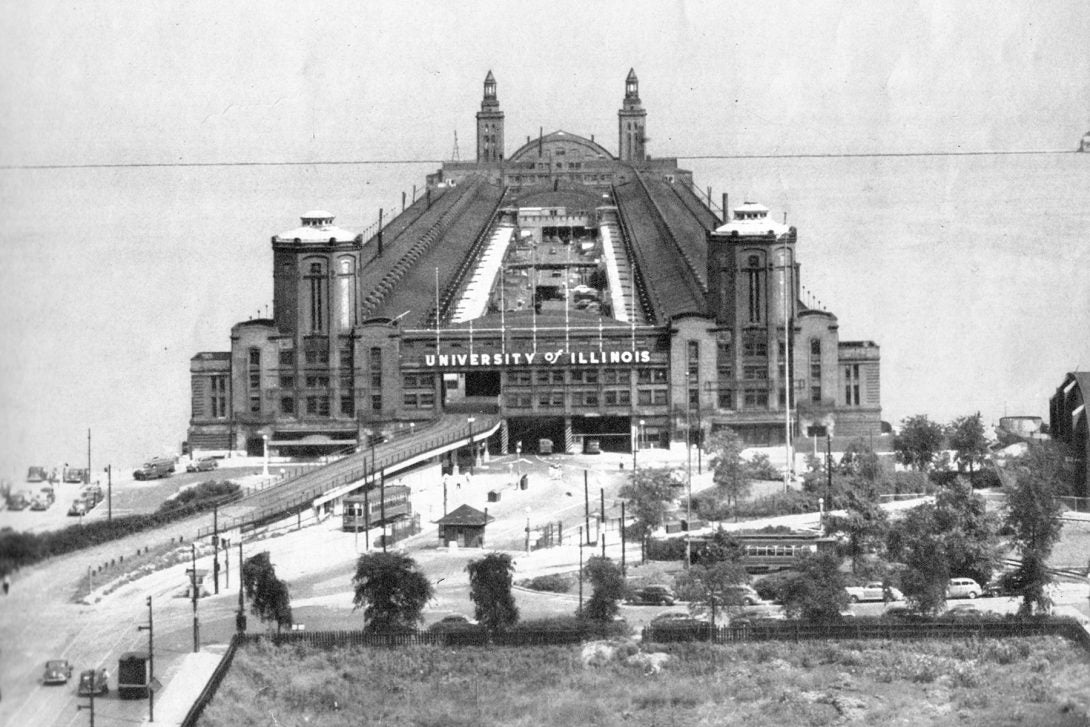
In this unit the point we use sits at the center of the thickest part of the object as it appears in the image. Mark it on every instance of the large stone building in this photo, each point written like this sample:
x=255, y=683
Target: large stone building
x=1068, y=423
x=577, y=293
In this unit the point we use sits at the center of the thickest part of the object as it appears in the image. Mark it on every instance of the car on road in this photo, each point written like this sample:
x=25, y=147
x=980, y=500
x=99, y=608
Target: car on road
x=652, y=595
x=39, y=504
x=57, y=671
x=204, y=464
x=966, y=613
x=963, y=588
x=79, y=507
x=154, y=468
x=757, y=617
x=94, y=681
x=873, y=591
x=454, y=622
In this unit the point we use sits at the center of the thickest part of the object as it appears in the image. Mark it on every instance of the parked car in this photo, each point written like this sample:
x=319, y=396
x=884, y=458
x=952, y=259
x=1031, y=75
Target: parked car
x=966, y=613
x=57, y=671
x=963, y=588
x=454, y=622
x=757, y=617
x=741, y=594
x=903, y=613
x=154, y=468
x=652, y=595
x=873, y=591
x=1002, y=586
x=40, y=503
x=18, y=501
x=79, y=507
x=94, y=681
x=204, y=464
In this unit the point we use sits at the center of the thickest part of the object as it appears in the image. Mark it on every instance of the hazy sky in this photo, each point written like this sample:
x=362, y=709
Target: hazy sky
x=196, y=82
x=211, y=81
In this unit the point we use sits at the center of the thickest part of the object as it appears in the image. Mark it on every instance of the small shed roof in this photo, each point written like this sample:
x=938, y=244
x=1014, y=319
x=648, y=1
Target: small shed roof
x=465, y=515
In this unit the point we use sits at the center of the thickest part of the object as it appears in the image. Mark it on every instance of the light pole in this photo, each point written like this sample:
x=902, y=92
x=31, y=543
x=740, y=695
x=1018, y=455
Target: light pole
x=580, y=569
x=689, y=480
x=193, y=588
x=149, y=627
x=472, y=447
x=109, y=493
x=527, y=530
x=265, y=463
x=240, y=616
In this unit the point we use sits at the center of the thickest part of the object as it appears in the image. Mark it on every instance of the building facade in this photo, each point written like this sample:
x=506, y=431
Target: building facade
x=582, y=295
x=1068, y=423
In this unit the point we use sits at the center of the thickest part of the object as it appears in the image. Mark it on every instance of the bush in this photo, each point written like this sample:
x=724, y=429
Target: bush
x=585, y=628
x=771, y=587
x=22, y=549
x=554, y=583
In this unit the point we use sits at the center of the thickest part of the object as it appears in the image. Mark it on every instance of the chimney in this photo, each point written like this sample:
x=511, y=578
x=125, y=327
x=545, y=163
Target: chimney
x=726, y=209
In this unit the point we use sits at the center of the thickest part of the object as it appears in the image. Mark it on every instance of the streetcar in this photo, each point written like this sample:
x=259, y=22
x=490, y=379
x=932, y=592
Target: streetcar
x=366, y=509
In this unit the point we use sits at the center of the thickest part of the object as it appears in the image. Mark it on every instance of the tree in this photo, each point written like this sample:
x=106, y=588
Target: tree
x=490, y=591
x=918, y=443
x=953, y=537
x=712, y=586
x=966, y=435
x=1040, y=477
x=607, y=588
x=859, y=460
x=864, y=524
x=816, y=591
x=651, y=492
x=730, y=473
x=269, y=597
x=391, y=590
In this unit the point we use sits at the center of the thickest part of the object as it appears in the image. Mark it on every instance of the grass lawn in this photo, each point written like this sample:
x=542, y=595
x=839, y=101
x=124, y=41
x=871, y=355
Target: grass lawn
x=1039, y=681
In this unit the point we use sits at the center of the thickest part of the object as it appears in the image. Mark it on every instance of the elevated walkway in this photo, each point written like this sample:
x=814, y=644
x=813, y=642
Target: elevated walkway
x=336, y=479
x=474, y=301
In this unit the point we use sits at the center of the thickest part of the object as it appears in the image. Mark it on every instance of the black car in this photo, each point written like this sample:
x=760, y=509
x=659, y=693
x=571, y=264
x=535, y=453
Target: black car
x=94, y=681
x=652, y=595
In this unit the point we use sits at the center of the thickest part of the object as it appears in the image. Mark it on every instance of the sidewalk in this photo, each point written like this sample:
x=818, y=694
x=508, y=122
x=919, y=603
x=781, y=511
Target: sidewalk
x=184, y=684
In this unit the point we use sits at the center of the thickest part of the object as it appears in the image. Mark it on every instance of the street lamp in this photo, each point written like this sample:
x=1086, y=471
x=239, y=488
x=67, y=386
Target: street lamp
x=472, y=447
x=265, y=464
x=527, y=530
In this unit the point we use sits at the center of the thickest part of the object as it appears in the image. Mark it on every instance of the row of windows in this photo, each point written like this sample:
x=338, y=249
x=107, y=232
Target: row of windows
x=786, y=551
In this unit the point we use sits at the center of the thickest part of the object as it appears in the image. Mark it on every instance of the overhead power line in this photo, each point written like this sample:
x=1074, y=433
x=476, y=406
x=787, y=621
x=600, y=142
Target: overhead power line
x=351, y=162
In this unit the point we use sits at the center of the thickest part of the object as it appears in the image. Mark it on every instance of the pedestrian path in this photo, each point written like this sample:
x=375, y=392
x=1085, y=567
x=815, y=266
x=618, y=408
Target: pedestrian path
x=184, y=684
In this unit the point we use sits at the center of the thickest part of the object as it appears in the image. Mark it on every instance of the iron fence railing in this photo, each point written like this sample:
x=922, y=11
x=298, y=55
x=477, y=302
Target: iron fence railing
x=209, y=691
x=354, y=468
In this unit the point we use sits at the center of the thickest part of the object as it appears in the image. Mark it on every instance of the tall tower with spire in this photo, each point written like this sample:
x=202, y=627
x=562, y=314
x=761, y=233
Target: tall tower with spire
x=490, y=124
x=631, y=120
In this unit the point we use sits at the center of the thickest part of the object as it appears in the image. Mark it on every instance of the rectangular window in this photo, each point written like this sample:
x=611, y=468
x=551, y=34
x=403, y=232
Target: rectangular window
x=310, y=356
x=755, y=373
x=726, y=399
x=815, y=394
x=618, y=397
x=408, y=381
x=519, y=401
x=409, y=399
x=348, y=406
x=287, y=357
x=659, y=397
x=287, y=382
x=651, y=376
x=615, y=376
x=694, y=357
x=317, y=382
x=518, y=378
x=255, y=381
x=255, y=357
x=318, y=406
x=754, y=344
x=694, y=398
x=287, y=405
x=375, y=365
x=427, y=399
x=376, y=402
x=219, y=397
x=255, y=403
x=756, y=398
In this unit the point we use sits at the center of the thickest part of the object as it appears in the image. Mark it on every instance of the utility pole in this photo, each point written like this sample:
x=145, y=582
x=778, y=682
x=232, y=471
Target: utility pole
x=580, y=569
x=622, y=540
x=602, y=519
x=586, y=503
x=240, y=617
x=829, y=469
x=87, y=477
x=151, y=661
x=109, y=493
x=216, y=548
x=91, y=706
x=193, y=592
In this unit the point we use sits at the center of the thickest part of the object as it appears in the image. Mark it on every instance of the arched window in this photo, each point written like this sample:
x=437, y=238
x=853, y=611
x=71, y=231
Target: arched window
x=318, y=298
x=754, y=294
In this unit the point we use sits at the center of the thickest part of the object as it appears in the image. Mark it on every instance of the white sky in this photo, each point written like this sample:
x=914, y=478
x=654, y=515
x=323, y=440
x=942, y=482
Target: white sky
x=127, y=82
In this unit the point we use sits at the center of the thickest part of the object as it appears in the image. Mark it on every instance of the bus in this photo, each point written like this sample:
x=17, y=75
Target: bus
x=365, y=510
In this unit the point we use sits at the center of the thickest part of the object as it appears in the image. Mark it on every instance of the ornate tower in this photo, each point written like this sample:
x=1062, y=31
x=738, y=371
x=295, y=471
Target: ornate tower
x=490, y=124
x=631, y=120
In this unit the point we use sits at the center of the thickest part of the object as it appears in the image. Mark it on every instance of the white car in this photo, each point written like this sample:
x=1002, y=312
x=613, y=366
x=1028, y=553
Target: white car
x=873, y=591
x=963, y=588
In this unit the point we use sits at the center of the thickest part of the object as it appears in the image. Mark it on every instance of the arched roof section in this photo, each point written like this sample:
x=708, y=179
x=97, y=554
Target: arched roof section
x=574, y=147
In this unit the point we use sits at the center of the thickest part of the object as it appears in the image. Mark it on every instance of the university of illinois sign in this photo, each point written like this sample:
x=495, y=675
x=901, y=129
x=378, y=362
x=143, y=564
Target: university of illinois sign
x=559, y=357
